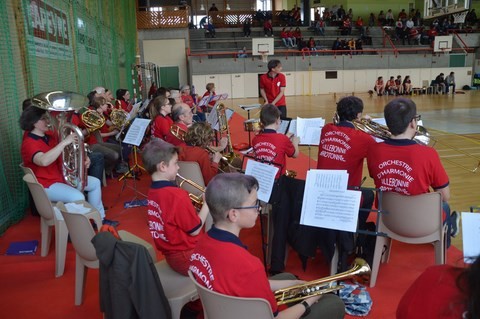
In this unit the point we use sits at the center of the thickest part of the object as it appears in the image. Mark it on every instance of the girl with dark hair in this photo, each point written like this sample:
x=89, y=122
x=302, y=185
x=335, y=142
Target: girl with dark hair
x=123, y=100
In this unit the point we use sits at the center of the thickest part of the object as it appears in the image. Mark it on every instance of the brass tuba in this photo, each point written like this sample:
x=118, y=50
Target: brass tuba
x=197, y=200
x=360, y=270
x=60, y=106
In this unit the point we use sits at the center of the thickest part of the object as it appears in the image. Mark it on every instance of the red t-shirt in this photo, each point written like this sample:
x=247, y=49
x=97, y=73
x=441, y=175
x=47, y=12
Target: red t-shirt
x=405, y=167
x=207, y=93
x=33, y=144
x=272, y=147
x=433, y=295
x=161, y=126
x=272, y=87
x=171, y=218
x=170, y=138
x=344, y=147
x=221, y=263
x=200, y=155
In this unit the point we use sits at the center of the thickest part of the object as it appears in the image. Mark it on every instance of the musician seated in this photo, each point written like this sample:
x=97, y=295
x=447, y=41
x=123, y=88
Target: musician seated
x=198, y=137
x=182, y=117
x=172, y=219
x=191, y=100
x=42, y=153
x=123, y=100
x=222, y=263
x=97, y=138
x=160, y=114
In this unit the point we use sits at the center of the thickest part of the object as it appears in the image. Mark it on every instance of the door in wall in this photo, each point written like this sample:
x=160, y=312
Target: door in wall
x=169, y=76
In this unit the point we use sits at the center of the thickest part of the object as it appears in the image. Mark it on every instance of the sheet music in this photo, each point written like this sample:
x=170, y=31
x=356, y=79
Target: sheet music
x=308, y=130
x=283, y=128
x=212, y=118
x=265, y=174
x=136, y=131
x=144, y=105
x=327, y=203
x=204, y=101
x=471, y=236
x=250, y=107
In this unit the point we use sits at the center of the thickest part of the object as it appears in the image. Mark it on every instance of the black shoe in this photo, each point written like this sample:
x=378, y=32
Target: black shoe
x=455, y=224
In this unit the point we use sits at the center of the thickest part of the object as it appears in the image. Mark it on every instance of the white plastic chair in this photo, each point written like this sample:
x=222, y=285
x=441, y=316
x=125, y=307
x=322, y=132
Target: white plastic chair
x=179, y=289
x=410, y=219
x=220, y=306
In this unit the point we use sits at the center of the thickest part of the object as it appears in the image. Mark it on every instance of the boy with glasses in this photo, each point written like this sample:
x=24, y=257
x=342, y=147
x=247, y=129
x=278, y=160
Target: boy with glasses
x=222, y=263
x=401, y=165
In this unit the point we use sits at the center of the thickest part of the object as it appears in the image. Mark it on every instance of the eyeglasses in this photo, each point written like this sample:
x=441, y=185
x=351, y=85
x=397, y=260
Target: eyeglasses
x=257, y=207
x=417, y=117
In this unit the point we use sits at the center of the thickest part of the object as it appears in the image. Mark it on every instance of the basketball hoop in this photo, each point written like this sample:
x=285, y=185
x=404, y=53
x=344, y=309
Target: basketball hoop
x=264, y=55
x=446, y=51
x=459, y=17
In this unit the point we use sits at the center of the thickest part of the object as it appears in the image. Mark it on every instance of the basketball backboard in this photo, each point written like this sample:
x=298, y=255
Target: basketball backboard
x=438, y=8
x=443, y=43
x=262, y=46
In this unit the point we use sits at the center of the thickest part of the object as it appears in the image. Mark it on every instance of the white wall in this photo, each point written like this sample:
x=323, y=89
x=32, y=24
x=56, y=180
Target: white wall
x=170, y=52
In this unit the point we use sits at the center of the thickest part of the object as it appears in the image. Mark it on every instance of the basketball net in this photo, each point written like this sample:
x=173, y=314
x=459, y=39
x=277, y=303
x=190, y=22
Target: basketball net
x=459, y=17
x=264, y=55
x=445, y=51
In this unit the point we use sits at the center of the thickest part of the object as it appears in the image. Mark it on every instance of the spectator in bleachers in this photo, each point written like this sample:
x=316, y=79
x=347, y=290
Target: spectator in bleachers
x=471, y=18
x=296, y=15
x=352, y=46
x=379, y=88
x=213, y=8
x=359, y=46
x=347, y=27
x=316, y=16
x=327, y=16
x=417, y=18
x=242, y=53
x=267, y=28
x=350, y=14
x=312, y=46
x=286, y=40
x=407, y=30
x=403, y=15
x=247, y=27
x=389, y=18
x=382, y=18
x=260, y=17
x=320, y=27
x=407, y=85
x=398, y=83
x=340, y=13
x=415, y=35
x=371, y=20
x=359, y=25
x=211, y=28
x=391, y=86
x=336, y=44
x=399, y=32
x=296, y=35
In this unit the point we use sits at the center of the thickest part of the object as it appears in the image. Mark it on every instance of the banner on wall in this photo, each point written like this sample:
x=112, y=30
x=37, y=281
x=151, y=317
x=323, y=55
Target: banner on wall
x=48, y=33
x=87, y=44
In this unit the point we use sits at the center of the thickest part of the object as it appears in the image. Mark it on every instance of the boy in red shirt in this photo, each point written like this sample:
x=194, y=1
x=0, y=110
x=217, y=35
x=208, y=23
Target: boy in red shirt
x=272, y=87
x=173, y=221
x=222, y=263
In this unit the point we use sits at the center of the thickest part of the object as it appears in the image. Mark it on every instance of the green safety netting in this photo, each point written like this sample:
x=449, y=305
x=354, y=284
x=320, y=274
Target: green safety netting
x=46, y=45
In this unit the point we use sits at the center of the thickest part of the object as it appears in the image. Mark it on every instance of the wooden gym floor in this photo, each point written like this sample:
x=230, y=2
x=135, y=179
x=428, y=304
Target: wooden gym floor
x=453, y=121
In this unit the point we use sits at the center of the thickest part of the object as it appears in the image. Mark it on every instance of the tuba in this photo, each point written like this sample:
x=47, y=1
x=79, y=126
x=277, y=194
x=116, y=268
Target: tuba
x=197, y=200
x=360, y=270
x=233, y=162
x=60, y=106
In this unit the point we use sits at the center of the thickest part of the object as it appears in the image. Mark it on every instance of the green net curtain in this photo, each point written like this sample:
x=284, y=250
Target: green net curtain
x=46, y=45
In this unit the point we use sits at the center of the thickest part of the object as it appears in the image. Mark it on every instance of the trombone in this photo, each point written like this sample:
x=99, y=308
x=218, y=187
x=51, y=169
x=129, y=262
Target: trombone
x=360, y=270
x=197, y=200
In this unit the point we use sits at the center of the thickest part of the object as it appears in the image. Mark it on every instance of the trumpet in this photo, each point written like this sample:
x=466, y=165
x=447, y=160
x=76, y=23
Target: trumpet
x=197, y=200
x=360, y=270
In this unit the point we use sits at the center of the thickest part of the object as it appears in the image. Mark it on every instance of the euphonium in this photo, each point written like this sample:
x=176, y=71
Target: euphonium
x=360, y=270
x=197, y=200
x=178, y=132
x=60, y=106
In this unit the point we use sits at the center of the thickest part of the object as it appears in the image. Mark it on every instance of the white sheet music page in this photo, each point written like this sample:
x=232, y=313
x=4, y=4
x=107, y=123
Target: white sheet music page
x=144, y=105
x=282, y=129
x=308, y=130
x=327, y=203
x=293, y=127
x=265, y=175
x=471, y=236
x=136, y=131
x=204, y=101
x=212, y=118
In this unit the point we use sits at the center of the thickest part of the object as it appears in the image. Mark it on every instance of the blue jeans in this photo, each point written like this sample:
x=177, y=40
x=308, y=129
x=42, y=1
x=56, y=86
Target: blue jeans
x=97, y=165
x=61, y=192
x=448, y=221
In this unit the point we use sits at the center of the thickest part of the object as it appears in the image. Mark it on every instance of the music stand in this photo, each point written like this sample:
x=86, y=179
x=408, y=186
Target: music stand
x=134, y=137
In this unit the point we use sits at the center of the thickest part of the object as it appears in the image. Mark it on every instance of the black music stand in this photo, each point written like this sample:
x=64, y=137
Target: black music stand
x=134, y=137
